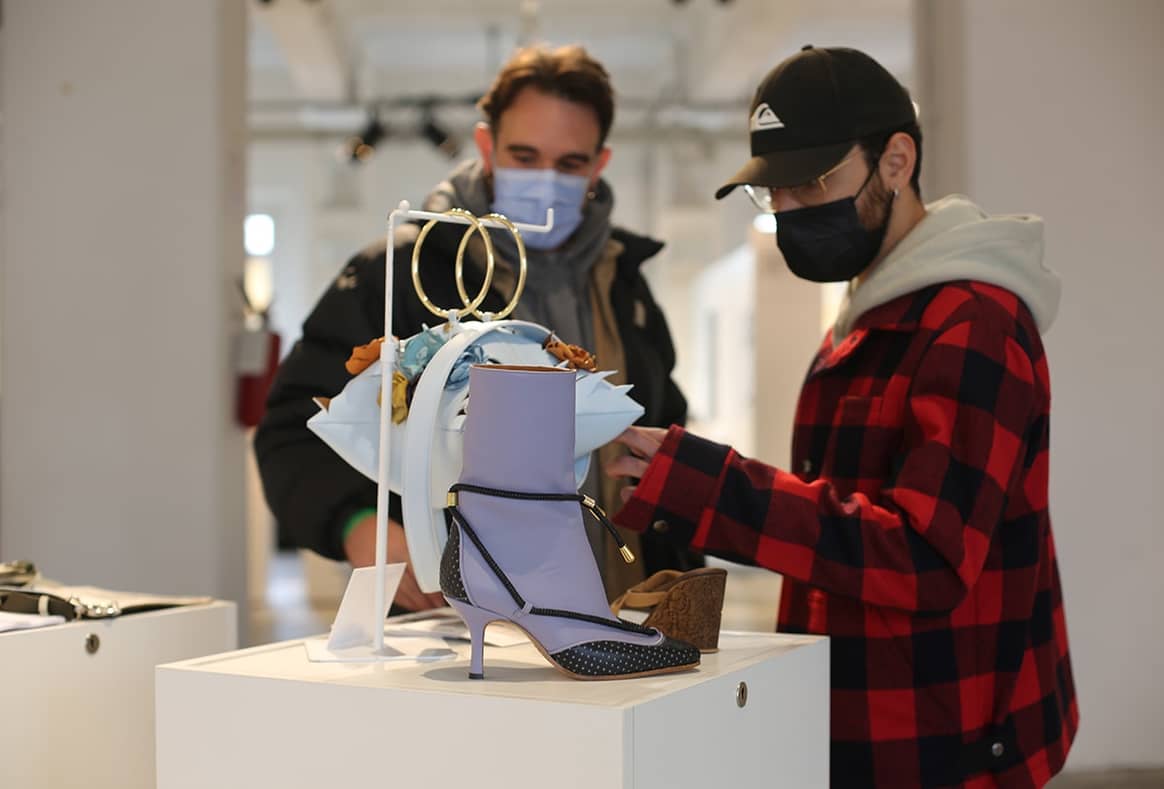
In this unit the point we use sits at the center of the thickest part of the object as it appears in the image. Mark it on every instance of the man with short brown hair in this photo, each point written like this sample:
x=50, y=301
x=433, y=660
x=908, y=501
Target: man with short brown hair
x=543, y=145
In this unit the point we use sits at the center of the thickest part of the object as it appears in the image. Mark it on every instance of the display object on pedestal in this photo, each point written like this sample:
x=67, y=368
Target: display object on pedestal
x=409, y=399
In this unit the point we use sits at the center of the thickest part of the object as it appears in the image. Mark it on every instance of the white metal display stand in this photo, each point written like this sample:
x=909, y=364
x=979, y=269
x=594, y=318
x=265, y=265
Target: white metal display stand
x=756, y=713
x=373, y=649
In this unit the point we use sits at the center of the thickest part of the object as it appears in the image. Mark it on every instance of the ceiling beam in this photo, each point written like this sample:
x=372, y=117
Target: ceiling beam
x=311, y=44
x=734, y=45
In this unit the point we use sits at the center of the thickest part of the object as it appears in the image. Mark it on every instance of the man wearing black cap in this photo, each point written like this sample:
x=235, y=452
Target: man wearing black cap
x=913, y=528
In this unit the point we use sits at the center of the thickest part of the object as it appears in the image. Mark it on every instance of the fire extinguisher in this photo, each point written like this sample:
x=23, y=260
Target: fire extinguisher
x=256, y=361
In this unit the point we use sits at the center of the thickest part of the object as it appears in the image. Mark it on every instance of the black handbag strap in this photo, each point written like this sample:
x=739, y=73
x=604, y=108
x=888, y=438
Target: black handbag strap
x=24, y=601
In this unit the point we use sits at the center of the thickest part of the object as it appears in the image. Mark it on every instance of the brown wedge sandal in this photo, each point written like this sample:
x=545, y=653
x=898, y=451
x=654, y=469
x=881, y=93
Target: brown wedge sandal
x=686, y=606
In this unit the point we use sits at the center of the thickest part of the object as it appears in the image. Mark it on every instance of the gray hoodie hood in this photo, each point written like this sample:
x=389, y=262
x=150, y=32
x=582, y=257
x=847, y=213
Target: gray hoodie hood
x=957, y=241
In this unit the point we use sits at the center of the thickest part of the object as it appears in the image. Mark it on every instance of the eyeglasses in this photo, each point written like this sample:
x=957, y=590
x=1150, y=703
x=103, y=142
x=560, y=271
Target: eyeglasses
x=804, y=193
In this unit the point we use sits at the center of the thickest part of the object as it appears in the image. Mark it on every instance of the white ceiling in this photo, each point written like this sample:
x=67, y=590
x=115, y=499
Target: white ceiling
x=695, y=57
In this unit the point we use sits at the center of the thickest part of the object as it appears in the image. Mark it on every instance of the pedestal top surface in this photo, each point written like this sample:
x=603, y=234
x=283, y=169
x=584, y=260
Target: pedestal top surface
x=519, y=671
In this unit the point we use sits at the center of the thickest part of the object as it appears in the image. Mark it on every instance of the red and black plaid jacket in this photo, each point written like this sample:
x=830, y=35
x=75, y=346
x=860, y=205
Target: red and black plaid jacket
x=914, y=533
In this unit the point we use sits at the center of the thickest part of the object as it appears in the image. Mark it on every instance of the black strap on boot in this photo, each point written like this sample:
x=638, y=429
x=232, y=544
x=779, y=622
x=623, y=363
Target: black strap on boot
x=590, y=504
x=587, y=502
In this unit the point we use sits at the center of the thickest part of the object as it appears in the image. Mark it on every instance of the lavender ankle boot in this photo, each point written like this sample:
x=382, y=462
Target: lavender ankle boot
x=517, y=548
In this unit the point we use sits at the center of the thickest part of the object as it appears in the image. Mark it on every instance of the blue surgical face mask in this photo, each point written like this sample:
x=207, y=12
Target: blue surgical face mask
x=524, y=195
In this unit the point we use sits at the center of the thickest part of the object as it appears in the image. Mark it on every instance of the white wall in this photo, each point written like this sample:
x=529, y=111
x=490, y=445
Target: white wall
x=1055, y=107
x=722, y=399
x=123, y=175
x=280, y=184
x=788, y=333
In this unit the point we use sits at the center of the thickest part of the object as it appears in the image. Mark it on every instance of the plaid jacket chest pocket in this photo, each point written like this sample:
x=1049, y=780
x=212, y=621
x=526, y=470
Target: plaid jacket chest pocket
x=863, y=442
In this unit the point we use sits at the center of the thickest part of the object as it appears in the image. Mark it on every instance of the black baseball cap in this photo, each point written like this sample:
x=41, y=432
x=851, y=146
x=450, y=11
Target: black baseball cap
x=810, y=109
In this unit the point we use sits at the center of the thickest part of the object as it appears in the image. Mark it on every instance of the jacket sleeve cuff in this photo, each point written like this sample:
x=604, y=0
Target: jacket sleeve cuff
x=350, y=513
x=679, y=485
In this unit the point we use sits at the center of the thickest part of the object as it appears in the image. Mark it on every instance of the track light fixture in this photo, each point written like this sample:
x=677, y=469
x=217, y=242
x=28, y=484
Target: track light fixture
x=360, y=147
x=439, y=136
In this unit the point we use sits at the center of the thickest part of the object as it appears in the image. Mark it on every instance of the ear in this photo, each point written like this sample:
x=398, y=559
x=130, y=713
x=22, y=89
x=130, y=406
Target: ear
x=898, y=161
x=602, y=161
x=483, y=136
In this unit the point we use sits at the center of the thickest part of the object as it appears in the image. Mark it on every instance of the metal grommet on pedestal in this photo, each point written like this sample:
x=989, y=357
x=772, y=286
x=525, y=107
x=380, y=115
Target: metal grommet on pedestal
x=92, y=643
x=475, y=226
x=742, y=695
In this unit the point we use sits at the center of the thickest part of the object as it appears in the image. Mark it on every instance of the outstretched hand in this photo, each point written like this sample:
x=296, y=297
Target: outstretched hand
x=643, y=443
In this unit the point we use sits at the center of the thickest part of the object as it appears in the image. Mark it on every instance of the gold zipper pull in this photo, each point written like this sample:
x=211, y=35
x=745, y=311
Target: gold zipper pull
x=597, y=511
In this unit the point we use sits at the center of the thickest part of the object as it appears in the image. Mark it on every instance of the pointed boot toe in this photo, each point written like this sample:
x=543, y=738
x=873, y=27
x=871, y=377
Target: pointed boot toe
x=620, y=660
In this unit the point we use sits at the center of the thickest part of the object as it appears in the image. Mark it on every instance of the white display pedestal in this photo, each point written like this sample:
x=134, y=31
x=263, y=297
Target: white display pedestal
x=74, y=717
x=268, y=717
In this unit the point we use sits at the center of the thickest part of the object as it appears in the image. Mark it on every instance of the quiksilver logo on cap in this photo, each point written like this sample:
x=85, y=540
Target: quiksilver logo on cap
x=764, y=119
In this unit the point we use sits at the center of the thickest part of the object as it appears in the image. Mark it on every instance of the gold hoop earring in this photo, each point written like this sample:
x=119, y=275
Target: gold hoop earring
x=522, y=263
x=475, y=226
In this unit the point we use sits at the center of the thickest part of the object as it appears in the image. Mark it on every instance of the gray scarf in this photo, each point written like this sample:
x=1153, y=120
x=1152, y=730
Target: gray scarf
x=556, y=283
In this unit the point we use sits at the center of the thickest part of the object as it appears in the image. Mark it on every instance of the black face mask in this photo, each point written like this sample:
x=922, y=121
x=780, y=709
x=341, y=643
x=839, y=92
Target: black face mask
x=828, y=243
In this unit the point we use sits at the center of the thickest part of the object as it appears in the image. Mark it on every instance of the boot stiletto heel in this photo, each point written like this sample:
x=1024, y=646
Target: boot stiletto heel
x=476, y=620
